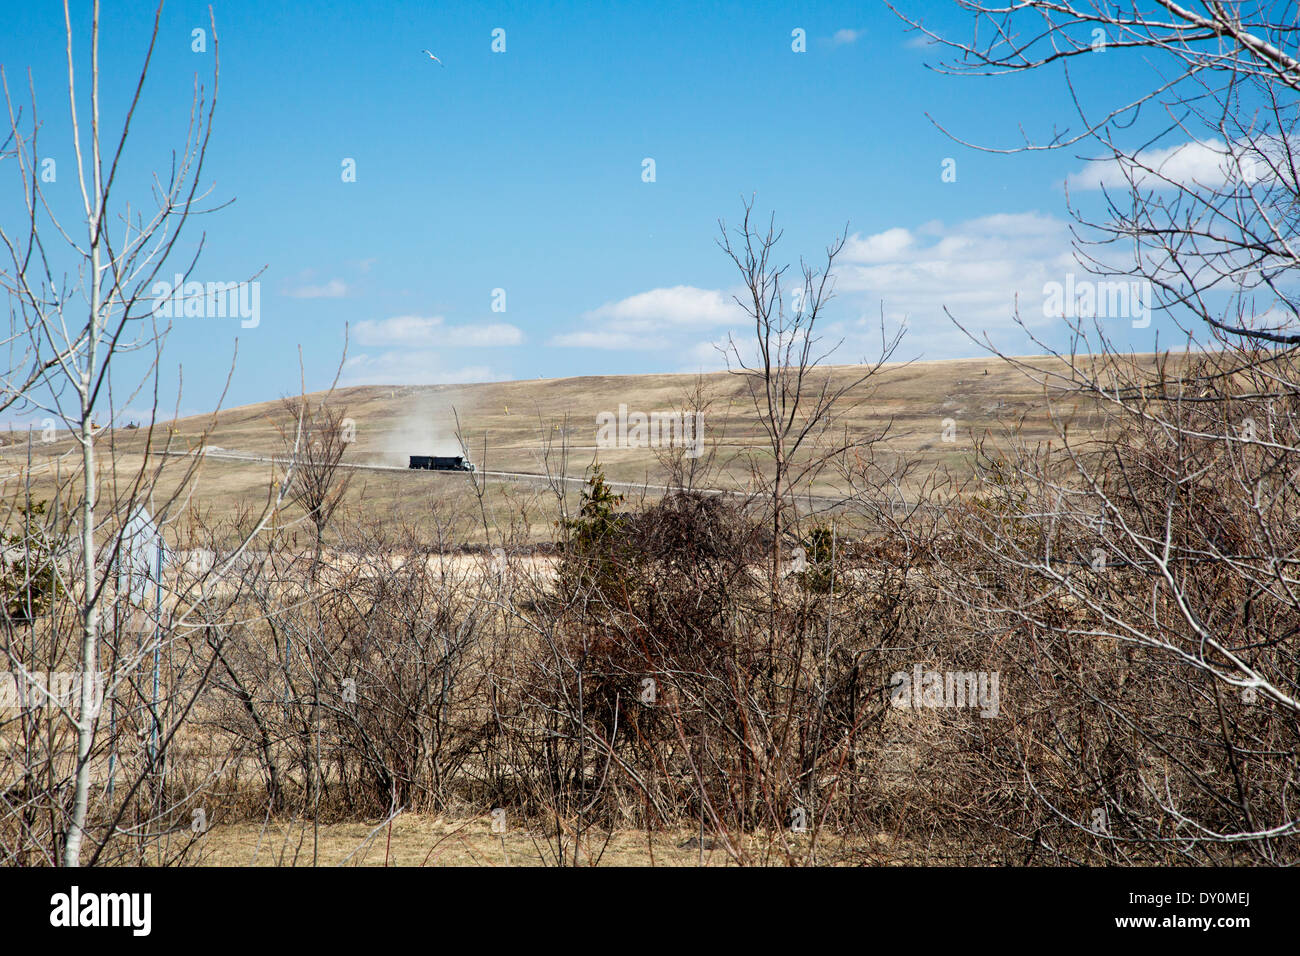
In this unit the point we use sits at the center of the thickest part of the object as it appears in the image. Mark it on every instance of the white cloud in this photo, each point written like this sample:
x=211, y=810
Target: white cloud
x=411, y=367
x=979, y=269
x=716, y=354
x=976, y=268
x=1207, y=163
x=419, y=332
x=647, y=320
x=333, y=289
x=881, y=247
x=608, y=339
x=681, y=305
x=843, y=37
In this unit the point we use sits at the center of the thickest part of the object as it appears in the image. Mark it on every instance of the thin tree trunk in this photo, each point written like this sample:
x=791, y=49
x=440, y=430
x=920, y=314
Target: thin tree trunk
x=90, y=611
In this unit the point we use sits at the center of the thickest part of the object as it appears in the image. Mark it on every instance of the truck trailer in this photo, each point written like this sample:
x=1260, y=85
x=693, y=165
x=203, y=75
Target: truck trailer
x=440, y=463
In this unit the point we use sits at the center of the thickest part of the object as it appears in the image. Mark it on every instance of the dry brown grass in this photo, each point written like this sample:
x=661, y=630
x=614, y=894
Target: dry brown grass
x=423, y=840
x=980, y=395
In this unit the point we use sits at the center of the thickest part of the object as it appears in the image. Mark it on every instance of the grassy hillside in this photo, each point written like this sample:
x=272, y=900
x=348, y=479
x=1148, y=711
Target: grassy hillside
x=507, y=426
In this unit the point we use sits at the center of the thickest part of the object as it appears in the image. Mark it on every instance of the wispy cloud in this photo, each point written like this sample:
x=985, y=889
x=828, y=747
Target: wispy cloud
x=680, y=305
x=715, y=354
x=976, y=268
x=979, y=269
x=333, y=289
x=608, y=339
x=417, y=332
x=647, y=320
x=845, y=37
x=881, y=247
x=413, y=367
x=1207, y=163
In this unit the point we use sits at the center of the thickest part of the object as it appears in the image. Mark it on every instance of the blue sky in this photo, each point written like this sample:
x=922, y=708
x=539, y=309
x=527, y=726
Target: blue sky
x=522, y=171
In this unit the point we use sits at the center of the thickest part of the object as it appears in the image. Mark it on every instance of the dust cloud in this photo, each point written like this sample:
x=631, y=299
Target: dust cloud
x=426, y=426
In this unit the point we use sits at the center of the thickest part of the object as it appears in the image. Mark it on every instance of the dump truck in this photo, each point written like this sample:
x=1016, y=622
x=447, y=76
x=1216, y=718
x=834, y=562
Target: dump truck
x=441, y=463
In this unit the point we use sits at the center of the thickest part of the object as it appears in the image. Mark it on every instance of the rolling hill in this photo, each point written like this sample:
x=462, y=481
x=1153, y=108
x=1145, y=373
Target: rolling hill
x=507, y=427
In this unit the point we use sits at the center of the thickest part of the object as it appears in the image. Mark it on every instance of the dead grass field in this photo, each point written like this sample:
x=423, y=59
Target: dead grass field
x=422, y=840
x=509, y=420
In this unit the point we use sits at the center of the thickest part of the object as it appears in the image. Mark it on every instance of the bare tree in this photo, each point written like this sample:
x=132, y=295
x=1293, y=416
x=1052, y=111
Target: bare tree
x=796, y=404
x=315, y=440
x=1148, y=573
x=794, y=400
x=76, y=348
x=81, y=297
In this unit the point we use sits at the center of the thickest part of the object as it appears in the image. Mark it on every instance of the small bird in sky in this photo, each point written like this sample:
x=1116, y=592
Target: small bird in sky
x=433, y=58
